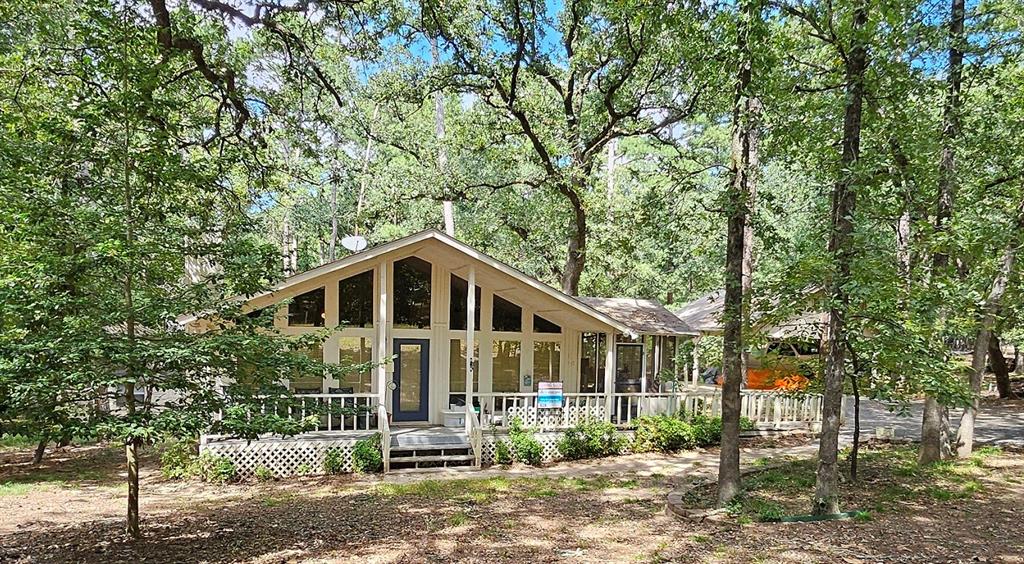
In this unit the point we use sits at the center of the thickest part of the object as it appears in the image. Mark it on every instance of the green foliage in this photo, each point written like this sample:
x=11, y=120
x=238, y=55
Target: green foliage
x=212, y=468
x=303, y=469
x=521, y=446
x=263, y=474
x=590, y=439
x=334, y=461
x=367, y=456
x=502, y=452
x=178, y=460
x=663, y=433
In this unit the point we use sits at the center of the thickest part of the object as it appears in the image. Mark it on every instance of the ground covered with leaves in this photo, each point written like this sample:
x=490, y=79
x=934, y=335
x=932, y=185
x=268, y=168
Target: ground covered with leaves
x=70, y=509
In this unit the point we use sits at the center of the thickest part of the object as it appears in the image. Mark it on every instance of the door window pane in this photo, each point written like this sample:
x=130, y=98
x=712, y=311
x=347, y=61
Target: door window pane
x=409, y=392
x=592, y=363
x=457, y=305
x=507, y=316
x=307, y=310
x=667, y=368
x=628, y=364
x=546, y=359
x=412, y=293
x=355, y=351
x=505, y=366
x=355, y=300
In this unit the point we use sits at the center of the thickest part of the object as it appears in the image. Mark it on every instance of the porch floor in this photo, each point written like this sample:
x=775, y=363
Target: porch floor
x=401, y=436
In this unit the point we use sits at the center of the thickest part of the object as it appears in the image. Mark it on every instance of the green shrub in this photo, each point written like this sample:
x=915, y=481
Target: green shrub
x=524, y=446
x=213, y=468
x=502, y=453
x=178, y=460
x=746, y=424
x=367, y=455
x=705, y=430
x=334, y=461
x=303, y=469
x=590, y=439
x=263, y=473
x=661, y=433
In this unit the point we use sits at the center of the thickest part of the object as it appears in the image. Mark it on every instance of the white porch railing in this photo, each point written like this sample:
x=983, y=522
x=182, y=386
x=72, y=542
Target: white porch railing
x=336, y=412
x=767, y=410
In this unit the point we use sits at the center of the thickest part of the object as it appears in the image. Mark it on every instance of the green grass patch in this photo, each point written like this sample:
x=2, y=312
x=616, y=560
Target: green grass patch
x=15, y=488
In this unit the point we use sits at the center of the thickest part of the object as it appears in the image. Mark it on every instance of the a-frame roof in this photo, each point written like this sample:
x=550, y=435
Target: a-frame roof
x=372, y=254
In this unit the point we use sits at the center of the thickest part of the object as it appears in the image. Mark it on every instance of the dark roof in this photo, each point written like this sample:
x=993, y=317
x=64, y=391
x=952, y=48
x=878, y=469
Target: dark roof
x=647, y=317
x=705, y=314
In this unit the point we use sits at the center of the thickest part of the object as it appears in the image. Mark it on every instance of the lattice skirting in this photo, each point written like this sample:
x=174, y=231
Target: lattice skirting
x=282, y=457
x=549, y=442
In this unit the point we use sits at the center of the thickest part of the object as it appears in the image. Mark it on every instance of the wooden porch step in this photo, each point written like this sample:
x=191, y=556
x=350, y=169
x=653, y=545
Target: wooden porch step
x=435, y=469
x=445, y=446
x=434, y=458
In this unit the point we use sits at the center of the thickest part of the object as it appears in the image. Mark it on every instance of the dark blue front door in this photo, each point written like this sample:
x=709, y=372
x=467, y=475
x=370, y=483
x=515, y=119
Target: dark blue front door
x=412, y=380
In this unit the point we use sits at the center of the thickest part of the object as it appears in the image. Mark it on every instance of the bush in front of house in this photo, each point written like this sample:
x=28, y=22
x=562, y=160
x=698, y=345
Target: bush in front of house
x=181, y=460
x=590, y=439
x=263, y=474
x=521, y=446
x=178, y=460
x=334, y=461
x=213, y=468
x=367, y=456
x=661, y=433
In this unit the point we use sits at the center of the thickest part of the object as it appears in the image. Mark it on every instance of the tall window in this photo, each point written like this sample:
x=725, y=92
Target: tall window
x=308, y=381
x=457, y=373
x=307, y=310
x=457, y=306
x=546, y=359
x=355, y=300
x=356, y=353
x=412, y=293
x=505, y=366
x=541, y=325
x=507, y=316
x=592, y=357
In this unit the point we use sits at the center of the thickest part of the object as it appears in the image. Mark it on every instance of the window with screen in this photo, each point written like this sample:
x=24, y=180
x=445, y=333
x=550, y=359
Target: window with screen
x=505, y=357
x=307, y=310
x=457, y=306
x=355, y=300
x=412, y=293
x=506, y=316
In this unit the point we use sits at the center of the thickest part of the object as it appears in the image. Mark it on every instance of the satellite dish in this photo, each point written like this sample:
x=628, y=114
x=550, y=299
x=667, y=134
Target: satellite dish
x=354, y=243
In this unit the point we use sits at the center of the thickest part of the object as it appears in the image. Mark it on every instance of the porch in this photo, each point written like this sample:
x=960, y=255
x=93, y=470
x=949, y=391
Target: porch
x=469, y=440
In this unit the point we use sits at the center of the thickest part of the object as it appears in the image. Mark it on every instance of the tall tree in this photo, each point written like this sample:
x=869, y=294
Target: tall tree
x=935, y=418
x=841, y=248
x=742, y=188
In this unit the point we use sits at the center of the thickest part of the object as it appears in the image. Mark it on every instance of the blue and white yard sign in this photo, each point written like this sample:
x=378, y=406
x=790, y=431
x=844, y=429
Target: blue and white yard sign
x=549, y=395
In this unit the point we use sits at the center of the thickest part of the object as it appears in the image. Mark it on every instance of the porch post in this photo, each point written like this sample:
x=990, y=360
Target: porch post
x=696, y=361
x=470, y=335
x=609, y=374
x=382, y=334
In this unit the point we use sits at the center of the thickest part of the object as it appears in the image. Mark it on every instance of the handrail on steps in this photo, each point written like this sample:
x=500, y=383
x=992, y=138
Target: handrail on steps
x=385, y=436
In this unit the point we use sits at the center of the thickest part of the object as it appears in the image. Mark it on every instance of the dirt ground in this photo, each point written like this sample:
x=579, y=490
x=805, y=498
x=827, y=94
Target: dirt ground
x=71, y=509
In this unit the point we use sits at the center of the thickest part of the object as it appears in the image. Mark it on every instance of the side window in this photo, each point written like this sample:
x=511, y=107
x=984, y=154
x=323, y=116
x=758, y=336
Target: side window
x=307, y=310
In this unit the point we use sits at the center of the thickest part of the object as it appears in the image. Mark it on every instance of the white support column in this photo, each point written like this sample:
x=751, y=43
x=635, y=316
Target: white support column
x=609, y=374
x=470, y=337
x=382, y=333
x=696, y=361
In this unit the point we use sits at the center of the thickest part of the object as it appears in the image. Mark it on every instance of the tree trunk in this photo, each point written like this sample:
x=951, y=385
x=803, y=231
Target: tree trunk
x=37, y=456
x=132, y=456
x=934, y=423
x=442, y=152
x=999, y=367
x=743, y=185
x=332, y=248
x=364, y=178
x=826, y=494
x=576, y=256
x=855, y=449
x=982, y=345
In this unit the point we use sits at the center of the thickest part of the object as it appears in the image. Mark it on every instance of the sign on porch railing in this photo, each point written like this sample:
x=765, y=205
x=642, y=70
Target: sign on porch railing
x=549, y=395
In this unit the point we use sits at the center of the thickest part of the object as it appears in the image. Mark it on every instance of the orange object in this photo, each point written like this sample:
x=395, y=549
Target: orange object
x=775, y=379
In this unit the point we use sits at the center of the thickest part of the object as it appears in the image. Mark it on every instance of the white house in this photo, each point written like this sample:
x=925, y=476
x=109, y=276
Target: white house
x=437, y=317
